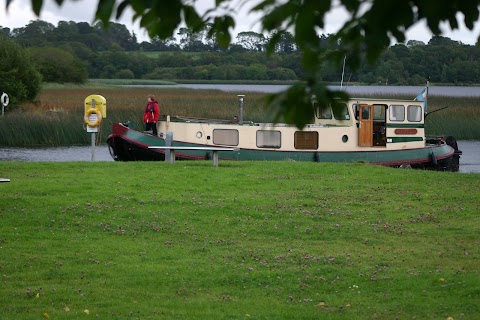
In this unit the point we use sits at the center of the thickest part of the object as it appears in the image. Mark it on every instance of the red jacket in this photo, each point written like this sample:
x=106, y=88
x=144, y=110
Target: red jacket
x=152, y=112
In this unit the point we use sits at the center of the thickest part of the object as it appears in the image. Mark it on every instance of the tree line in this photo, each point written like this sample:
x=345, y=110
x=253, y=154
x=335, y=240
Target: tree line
x=75, y=51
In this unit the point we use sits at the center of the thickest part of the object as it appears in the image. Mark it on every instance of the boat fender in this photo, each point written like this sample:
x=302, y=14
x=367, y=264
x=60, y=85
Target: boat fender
x=111, y=149
x=93, y=123
x=434, y=159
x=452, y=142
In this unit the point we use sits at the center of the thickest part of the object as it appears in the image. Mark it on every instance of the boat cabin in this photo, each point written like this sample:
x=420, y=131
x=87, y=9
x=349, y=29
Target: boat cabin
x=356, y=125
x=378, y=121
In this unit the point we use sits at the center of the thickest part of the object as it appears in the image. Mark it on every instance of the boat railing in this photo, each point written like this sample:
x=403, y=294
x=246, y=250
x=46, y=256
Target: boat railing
x=204, y=120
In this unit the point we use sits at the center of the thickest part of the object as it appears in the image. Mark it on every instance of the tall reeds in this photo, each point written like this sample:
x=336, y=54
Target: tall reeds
x=56, y=119
x=461, y=119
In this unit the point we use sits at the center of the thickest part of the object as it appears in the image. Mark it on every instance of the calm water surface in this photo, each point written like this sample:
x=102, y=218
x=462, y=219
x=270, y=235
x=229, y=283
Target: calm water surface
x=469, y=162
x=352, y=90
x=60, y=154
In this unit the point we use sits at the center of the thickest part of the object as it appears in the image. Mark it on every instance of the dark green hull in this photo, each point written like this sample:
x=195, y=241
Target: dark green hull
x=127, y=144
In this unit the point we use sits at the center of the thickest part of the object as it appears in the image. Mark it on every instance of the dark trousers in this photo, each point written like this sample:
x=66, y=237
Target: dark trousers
x=151, y=126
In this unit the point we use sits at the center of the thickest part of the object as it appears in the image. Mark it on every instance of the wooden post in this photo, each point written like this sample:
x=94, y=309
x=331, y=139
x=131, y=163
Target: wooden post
x=93, y=146
x=215, y=158
x=172, y=156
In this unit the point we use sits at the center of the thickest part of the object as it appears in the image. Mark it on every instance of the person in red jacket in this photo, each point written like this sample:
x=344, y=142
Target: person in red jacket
x=151, y=114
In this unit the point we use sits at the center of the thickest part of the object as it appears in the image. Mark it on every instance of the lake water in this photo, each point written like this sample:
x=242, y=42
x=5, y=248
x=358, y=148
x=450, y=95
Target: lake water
x=469, y=162
x=352, y=90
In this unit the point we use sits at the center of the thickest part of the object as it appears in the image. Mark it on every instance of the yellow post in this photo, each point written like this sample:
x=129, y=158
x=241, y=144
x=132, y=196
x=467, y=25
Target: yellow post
x=95, y=110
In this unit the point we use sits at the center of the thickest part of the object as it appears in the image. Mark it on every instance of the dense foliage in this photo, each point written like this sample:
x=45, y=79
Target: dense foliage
x=18, y=76
x=73, y=52
x=58, y=65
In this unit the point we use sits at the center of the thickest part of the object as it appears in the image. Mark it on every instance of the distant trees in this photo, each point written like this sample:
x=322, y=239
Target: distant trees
x=251, y=41
x=219, y=66
x=284, y=42
x=58, y=65
x=36, y=33
x=96, y=37
x=75, y=51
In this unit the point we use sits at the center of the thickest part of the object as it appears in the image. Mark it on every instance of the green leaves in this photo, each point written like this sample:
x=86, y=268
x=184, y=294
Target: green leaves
x=436, y=12
x=104, y=10
x=295, y=105
x=122, y=6
x=36, y=6
x=220, y=29
x=192, y=19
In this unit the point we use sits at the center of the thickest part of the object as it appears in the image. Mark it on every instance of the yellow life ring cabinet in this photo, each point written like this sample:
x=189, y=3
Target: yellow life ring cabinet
x=98, y=102
x=93, y=120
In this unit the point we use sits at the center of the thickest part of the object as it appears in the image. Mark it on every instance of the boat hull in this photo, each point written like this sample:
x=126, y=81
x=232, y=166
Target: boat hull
x=127, y=144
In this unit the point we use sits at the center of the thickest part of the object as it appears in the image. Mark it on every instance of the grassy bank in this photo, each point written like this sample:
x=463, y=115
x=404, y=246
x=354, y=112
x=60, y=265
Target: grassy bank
x=242, y=241
x=56, y=119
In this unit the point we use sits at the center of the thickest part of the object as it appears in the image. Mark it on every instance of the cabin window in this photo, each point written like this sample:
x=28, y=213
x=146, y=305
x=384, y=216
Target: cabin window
x=226, y=137
x=340, y=111
x=322, y=112
x=355, y=109
x=414, y=113
x=379, y=112
x=269, y=139
x=365, y=113
x=397, y=112
x=306, y=140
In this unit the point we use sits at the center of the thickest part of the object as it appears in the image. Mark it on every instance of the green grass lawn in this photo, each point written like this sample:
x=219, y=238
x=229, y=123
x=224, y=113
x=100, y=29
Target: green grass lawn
x=246, y=240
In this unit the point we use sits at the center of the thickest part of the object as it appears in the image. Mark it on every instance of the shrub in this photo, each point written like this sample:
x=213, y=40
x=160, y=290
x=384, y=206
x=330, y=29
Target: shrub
x=58, y=65
x=18, y=76
x=125, y=74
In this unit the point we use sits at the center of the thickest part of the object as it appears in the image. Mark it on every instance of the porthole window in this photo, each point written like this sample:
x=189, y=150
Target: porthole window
x=226, y=137
x=269, y=139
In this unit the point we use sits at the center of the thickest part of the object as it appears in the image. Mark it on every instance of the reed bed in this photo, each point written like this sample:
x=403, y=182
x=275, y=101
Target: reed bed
x=461, y=119
x=56, y=118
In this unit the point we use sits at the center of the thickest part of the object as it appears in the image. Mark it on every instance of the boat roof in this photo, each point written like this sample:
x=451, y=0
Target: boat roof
x=382, y=99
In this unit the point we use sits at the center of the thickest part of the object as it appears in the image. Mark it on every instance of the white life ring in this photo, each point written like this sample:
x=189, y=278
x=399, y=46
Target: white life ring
x=95, y=121
x=5, y=99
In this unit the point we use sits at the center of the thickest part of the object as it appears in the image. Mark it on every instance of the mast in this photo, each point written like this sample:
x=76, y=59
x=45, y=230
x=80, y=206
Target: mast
x=426, y=96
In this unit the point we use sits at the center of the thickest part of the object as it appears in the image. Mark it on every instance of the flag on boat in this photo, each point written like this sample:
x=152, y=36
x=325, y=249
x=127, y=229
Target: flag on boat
x=422, y=96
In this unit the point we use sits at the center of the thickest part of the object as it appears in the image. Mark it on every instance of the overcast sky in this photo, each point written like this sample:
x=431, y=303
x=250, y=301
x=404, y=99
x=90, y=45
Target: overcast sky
x=20, y=13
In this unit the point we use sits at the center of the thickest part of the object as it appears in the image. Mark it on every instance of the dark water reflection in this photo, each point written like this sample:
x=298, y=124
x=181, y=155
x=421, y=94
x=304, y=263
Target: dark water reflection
x=469, y=162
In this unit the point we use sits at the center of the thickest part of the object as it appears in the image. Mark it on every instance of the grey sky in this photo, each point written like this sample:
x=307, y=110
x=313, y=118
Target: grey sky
x=20, y=13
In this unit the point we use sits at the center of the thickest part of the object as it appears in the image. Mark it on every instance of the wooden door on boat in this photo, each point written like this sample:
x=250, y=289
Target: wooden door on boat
x=365, y=127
